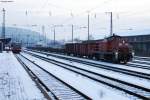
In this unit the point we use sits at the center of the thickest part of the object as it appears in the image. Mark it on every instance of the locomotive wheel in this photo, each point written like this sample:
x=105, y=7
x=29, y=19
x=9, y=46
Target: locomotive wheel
x=97, y=57
x=94, y=58
x=90, y=57
x=114, y=60
x=125, y=62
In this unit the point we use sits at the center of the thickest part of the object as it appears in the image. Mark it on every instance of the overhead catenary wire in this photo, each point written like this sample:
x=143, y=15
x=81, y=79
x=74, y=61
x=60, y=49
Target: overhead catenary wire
x=79, y=14
x=74, y=16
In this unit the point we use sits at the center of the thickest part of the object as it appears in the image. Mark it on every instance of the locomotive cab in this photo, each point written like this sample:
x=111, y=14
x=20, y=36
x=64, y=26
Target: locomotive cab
x=123, y=50
x=115, y=49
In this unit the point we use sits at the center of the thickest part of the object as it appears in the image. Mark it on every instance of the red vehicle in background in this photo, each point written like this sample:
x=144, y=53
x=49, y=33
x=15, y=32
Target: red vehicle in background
x=16, y=47
x=114, y=48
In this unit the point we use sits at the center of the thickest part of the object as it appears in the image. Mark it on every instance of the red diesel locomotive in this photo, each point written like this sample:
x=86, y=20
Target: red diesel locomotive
x=114, y=48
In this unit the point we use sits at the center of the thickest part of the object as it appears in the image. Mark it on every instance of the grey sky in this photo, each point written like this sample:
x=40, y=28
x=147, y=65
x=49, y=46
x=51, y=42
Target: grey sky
x=129, y=16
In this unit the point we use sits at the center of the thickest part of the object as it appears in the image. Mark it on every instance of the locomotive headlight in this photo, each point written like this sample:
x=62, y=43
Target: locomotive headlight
x=116, y=55
x=123, y=41
x=133, y=54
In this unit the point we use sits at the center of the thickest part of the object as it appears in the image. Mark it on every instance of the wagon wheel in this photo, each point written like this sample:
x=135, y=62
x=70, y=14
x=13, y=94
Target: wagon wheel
x=115, y=60
x=125, y=61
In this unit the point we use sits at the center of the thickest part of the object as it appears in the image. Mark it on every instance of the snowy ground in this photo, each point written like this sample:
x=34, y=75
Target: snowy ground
x=15, y=83
x=142, y=57
x=123, y=77
x=106, y=63
x=96, y=91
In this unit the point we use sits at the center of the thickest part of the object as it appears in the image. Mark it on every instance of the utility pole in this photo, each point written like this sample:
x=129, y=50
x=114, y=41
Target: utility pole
x=55, y=32
x=39, y=36
x=43, y=31
x=28, y=40
x=88, y=26
x=54, y=36
x=19, y=37
x=72, y=32
x=3, y=24
x=111, y=24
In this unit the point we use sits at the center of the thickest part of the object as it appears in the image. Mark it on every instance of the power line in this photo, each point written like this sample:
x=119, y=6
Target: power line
x=87, y=11
x=43, y=6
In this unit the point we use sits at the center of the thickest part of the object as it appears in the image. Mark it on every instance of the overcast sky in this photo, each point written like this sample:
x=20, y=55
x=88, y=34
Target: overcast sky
x=129, y=16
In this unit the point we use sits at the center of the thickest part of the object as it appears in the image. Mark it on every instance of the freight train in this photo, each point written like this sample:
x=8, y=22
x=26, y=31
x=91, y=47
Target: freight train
x=16, y=47
x=114, y=48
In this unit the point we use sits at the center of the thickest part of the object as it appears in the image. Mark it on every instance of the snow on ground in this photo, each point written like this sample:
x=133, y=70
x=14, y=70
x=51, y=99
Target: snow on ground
x=142, y=57
x=123, y=77
x=15, y=83
x=142, y=61
x=93, y=89
x=116, y=75
x=105, y=63
x=140, y=64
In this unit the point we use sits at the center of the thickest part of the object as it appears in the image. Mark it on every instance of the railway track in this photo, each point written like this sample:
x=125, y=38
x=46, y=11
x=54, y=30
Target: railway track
x=142, y=58
x=54, y=88
x=138, y=66
x=107, y=67
x=132, y=89
x=141, y=62
x=133, y=64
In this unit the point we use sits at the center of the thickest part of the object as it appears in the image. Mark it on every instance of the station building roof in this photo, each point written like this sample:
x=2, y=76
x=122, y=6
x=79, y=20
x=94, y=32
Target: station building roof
x=5, y=40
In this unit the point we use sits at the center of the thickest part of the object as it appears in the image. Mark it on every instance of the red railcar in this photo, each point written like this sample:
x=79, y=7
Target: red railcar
x=113, y=48
x=16, y=47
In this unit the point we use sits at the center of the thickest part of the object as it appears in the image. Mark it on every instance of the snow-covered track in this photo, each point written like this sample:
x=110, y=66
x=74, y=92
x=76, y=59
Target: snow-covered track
x=55, y=88
x=135, y=65
x=132, y=89
x=141, y=62
x=142, y=58
x=98, y=65
x=44, y=89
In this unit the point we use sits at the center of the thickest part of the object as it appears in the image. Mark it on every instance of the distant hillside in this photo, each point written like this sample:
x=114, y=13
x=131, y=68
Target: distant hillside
x=28, y=37
x=22, y=35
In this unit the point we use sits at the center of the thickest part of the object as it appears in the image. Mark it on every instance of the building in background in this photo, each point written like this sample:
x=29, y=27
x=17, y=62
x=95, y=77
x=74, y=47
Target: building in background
x=140, y=43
